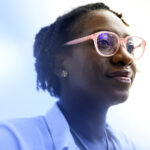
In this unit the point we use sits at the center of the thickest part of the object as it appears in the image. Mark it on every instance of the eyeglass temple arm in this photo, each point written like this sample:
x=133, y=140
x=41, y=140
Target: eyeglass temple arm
x=80, y=40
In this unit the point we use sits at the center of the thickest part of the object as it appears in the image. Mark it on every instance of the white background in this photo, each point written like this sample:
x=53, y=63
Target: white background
x=20, y=20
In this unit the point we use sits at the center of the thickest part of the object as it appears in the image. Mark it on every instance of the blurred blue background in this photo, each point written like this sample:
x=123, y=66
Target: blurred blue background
x=20, y=20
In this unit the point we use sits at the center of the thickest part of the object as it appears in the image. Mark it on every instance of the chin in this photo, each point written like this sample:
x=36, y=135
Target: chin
x=119, y=98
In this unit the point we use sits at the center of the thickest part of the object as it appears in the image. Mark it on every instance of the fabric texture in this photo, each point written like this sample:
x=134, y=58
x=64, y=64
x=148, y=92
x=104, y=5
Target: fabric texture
x=49, y=132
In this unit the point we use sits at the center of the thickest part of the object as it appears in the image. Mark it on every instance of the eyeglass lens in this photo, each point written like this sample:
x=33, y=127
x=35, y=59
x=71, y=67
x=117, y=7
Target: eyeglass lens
x=107, y=44
x=134, y=46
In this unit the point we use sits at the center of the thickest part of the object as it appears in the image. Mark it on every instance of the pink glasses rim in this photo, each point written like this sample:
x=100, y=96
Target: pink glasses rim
x=94, y=38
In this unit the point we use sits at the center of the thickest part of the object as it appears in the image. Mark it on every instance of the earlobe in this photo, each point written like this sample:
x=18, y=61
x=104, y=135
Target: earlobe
x=64, y=73
x=59, y=67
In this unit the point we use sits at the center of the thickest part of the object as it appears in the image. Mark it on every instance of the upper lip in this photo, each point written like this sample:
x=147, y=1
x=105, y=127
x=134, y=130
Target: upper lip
x=120, y=73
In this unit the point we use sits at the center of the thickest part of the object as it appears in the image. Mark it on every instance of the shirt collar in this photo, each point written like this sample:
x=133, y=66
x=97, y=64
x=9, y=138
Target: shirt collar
x=59, y=129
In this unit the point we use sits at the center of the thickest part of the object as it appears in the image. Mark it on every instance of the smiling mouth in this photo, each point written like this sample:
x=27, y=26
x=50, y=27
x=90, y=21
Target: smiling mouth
x=121, y=76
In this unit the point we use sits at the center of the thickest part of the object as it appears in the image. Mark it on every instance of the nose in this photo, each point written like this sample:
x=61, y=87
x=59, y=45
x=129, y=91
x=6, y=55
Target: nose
x=122, y=57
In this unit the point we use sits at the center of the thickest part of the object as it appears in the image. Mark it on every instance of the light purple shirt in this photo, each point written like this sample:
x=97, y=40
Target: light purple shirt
x=49, y=132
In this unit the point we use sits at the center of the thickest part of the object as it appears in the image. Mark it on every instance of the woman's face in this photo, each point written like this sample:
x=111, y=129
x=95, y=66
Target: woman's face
x=107, y=79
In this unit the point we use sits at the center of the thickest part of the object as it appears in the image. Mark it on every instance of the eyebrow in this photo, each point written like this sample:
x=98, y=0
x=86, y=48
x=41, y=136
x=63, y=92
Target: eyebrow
x=99, y=30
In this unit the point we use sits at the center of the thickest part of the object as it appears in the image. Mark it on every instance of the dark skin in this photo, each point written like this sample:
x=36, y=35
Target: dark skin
x=87, y=92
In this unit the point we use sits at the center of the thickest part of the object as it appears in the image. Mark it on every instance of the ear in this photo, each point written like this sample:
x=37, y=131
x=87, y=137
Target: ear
x=60, y=64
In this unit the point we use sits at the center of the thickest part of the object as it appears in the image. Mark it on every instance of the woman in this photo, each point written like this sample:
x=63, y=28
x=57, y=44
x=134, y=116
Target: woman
x=86, y=59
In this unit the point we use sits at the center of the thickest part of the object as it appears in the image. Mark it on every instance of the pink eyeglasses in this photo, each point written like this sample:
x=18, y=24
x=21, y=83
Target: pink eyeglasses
x=107, y=44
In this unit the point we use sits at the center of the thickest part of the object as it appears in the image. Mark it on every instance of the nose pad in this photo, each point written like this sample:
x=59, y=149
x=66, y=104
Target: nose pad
x=122, y=57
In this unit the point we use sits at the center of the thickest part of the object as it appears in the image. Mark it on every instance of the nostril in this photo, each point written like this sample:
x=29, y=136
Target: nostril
x=118, y=63
x=121, y=63
x=120, y=60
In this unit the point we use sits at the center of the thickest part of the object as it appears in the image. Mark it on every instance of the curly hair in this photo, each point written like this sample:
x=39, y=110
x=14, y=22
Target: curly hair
x=49, y=41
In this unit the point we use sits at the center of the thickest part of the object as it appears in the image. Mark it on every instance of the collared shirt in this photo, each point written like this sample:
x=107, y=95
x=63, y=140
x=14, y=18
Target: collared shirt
x=49, y=132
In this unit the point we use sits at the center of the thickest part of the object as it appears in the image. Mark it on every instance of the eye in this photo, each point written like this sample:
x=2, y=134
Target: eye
x=107, y=43
x=130, y=47
x=103, y=44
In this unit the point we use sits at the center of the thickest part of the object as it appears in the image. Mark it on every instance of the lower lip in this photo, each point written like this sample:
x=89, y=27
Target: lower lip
x=123, y=79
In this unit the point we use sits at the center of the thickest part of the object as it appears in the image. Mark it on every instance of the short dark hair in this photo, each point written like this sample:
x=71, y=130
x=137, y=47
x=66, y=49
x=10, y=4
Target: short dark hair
x=50, y=39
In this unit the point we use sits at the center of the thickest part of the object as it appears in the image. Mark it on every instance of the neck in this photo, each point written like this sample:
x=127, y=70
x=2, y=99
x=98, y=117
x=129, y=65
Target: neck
x=86, y=118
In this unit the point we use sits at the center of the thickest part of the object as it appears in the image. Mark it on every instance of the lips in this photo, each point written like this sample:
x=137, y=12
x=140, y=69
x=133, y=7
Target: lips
x=121, y=75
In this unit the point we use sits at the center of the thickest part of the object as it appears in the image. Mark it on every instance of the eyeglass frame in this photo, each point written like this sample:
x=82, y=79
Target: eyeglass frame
x=94, y=37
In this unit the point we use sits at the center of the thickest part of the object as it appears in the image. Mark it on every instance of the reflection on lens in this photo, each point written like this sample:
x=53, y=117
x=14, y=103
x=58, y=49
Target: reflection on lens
x=134, y=46
x=107, y=43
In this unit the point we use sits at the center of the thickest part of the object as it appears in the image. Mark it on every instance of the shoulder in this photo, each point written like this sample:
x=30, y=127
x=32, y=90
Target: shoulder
x=120, y=140
x=25, y=134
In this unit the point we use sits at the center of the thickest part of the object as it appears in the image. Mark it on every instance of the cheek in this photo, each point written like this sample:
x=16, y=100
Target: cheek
x=99, y=66
x=87, y=67
x=134, y=68
x=95, y=71
x=78, y=66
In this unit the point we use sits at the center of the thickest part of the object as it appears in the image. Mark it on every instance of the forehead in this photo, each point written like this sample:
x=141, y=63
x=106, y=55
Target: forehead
x=100, y=20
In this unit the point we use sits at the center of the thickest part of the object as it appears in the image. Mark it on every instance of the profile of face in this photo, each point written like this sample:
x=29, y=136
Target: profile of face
x=104, y=79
